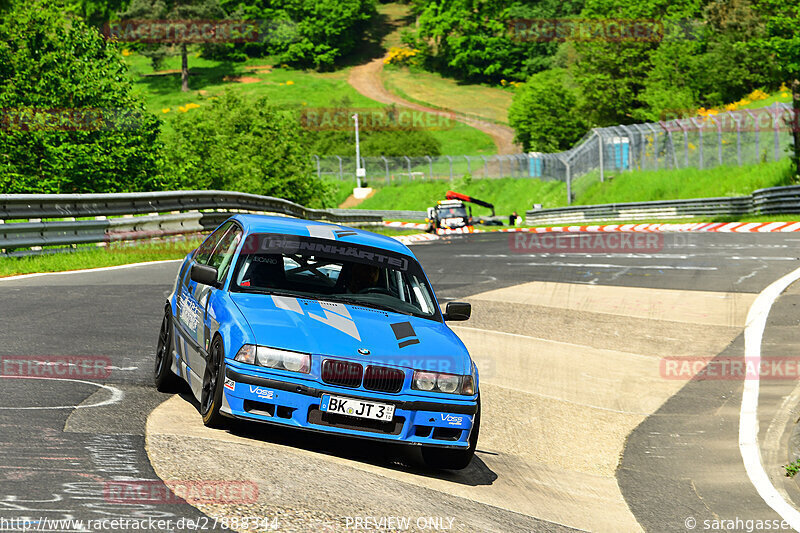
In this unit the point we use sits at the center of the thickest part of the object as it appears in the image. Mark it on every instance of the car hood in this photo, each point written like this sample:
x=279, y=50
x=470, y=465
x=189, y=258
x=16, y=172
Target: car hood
x=336, y=329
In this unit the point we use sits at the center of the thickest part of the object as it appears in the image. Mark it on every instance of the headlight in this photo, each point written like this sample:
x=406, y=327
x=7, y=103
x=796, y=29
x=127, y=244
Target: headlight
x=283, y=359
x=447, y=383
x=247, y=354
x=424, y=380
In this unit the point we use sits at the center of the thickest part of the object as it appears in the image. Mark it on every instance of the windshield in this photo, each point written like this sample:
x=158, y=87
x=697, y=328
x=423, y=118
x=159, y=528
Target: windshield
x=452, y=212
x=328, y=270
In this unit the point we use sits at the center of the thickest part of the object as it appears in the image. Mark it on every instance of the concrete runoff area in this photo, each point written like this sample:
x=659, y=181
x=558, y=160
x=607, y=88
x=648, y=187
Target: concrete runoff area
x=556, y=417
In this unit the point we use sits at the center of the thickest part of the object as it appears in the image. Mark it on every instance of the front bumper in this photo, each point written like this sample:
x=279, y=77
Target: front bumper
x=281, y=400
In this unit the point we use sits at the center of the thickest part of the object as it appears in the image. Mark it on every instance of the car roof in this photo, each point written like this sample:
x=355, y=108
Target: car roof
x=299, y=226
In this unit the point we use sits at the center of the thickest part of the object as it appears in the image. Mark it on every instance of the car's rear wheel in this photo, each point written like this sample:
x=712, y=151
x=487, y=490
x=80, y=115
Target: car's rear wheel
x=450, y=459
x=165, y=380
x=211, y=395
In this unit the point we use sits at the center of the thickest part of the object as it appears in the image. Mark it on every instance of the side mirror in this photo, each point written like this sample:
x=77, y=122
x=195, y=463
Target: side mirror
x=457, y=311
x=204, y=274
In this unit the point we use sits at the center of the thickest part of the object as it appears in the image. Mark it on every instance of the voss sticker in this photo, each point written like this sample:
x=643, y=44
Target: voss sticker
x=265, y=394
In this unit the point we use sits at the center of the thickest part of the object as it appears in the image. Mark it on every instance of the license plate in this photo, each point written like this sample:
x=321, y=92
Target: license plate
x=357, y=408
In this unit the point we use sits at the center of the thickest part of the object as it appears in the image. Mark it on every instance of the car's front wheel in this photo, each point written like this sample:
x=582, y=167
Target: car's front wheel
x=165, y=380
x=211, y=395
x=450, y=459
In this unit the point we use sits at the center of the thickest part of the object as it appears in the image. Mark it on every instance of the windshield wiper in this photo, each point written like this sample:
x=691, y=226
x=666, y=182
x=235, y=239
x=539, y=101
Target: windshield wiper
x=273, y=292
x=380, y=306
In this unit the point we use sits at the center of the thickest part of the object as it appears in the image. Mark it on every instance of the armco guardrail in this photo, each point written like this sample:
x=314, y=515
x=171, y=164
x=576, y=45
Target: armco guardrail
x=394, y=215
x=741, y=205
x=24, y=224
x=26, y=206
x=771, y=201
x=777, y=200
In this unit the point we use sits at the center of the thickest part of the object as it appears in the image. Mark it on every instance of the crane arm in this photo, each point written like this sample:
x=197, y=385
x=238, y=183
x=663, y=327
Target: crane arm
x=452, y=195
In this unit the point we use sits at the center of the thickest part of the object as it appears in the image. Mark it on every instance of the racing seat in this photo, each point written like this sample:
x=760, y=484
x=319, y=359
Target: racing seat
x=266, y=271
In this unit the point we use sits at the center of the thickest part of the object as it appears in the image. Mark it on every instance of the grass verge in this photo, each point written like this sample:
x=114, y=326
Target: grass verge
x=285, y=87
x=745, y=219
x=434, y=90
x=96, y=257
x=646, y=185
x=86, y=257
x=518, y=194
x=507, y=194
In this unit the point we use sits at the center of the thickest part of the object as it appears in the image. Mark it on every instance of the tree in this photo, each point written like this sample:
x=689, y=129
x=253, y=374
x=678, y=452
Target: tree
x=96, y=12
x=70, y=121
x=177, y=10
x=304, y=33
x=612, y=73
x=239, y=145
x=782, y=40
x=546, y=113
x=721, y=63
x=479, y=41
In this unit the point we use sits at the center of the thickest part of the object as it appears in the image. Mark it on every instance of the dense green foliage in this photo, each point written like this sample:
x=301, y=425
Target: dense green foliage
x=96, y=12
x=706, y=53
x=377, y=137
x=90, y=133
x=240, y=145
x=475, y=40
x=390, y=143
x=305, y=33
x=542, y=113
x=71, y=76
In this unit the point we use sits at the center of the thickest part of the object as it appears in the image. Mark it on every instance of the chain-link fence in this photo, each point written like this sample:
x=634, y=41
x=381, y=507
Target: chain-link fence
x=732, y=138
x=401, y=169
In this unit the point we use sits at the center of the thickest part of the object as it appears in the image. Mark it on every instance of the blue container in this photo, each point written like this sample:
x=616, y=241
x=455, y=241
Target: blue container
x=619, y=150
x=535, y=165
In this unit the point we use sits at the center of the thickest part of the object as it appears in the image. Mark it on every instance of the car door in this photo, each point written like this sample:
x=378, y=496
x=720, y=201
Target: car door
x=221, y=259
x=191, y=310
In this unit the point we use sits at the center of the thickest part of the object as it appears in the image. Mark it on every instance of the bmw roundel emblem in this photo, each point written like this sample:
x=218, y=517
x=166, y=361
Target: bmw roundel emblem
x=363, y=351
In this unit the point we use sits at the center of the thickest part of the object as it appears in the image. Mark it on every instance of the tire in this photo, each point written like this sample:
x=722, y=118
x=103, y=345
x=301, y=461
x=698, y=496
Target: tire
x=163, y=377
x=450, y=459
x=211, y=395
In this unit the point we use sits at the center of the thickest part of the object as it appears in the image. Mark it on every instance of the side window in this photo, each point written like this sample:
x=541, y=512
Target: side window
x=223, y=255
x=207, y=248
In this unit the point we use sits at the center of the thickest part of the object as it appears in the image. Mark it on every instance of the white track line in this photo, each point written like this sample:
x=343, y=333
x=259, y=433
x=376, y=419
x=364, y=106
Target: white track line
x=116, y=395
x=748, y=416
x=85, y=270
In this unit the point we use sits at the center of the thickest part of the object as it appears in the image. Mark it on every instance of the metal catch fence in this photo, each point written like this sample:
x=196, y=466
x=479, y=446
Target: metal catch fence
x=732, y=138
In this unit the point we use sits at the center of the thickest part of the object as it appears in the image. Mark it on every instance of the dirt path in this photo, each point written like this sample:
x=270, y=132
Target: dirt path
x=352, y=201
x=366, y=79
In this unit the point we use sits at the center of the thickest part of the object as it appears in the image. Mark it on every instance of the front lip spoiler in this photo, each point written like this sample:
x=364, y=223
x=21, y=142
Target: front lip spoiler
x=459, y=409
x=321, y=429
